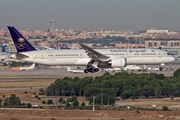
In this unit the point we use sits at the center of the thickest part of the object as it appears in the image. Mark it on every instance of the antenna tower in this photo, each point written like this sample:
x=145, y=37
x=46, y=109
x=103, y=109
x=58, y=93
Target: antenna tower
x=52, y=22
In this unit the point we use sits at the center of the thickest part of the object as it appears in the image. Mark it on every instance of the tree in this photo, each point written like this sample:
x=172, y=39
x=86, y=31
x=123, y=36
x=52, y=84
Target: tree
x=60, y=99
x=124, y=84
x=126, y=94
x=72, y=99
x=91, y=91
x=0, y=101
x=160, y=76
x=176, y=73
x=43, y=102
x=76, y=79
x=68, y=104
x=49, y=102
x=83, y=104
x=82, y=83
x=158, y=91
x=106, y=99
x=75, y=103
x=165, y=108
x=6, y=102
x=42, y=92
x=29, y=105
x=13, y=100
x=69, y=100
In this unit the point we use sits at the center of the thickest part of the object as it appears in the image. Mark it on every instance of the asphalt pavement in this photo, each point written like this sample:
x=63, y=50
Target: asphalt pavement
x=62, y=72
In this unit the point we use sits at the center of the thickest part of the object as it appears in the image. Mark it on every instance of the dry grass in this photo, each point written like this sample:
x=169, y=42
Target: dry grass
x=148, y=103
x=58, y=114
x=47, y=114
x=26, y=83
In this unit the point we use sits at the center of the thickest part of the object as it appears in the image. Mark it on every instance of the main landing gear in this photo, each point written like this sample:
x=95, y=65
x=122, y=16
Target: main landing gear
x=91, y=69
x=162, y=67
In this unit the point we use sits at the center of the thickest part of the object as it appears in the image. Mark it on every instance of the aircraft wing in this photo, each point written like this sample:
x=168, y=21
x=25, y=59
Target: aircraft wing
x=96, y=56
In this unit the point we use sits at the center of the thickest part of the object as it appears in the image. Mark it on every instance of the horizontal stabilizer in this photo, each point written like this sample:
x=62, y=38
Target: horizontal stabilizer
x=18, y=56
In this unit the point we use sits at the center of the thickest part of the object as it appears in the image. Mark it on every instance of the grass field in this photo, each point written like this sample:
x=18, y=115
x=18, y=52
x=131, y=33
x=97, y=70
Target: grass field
x=26, y=96
x=25, y=83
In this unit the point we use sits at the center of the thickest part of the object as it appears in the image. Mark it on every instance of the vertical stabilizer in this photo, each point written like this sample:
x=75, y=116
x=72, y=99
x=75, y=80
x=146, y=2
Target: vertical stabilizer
x=21, y=44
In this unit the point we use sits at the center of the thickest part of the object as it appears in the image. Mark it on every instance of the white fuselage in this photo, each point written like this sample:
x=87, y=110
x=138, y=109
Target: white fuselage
x=69, y=57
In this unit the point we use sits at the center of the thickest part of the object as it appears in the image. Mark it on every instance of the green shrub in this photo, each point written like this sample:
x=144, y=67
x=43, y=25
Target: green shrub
x=53, y=119
x=137, y=110
x=43, y=102
x=83, y=104
x=41, y=107
x=0, y=101
x=36, y=96
x=42, y=92
x=75, y=103
x=29, y=105
x=61, y=100
x=165, y=108
x=68, y=104
x=49, y=102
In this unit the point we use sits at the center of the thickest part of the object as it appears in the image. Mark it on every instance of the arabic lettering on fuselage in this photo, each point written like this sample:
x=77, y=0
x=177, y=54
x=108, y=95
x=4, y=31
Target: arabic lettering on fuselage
x=126, y=50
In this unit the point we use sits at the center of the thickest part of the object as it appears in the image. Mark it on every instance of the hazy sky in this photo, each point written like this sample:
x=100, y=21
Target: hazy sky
x=92, y=14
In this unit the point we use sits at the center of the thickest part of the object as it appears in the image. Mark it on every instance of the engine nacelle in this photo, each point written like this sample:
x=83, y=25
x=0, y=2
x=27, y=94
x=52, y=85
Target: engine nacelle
x=118, y=62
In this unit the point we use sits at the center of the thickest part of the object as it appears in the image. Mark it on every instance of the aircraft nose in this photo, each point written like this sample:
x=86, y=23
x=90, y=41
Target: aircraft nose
x=172, y=59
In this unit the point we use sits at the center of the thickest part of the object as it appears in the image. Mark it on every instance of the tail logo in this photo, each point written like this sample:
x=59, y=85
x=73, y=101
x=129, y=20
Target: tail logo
x=20, y=44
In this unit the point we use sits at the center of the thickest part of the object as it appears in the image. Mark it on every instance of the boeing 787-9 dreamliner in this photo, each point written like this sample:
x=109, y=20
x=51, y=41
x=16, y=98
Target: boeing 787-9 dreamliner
x=93, y=59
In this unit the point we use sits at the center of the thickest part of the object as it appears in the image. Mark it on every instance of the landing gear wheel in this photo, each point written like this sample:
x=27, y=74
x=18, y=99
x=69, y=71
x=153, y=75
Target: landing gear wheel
x=86, y=71
x=96, y=70
x=160, y=68
x=91, y=70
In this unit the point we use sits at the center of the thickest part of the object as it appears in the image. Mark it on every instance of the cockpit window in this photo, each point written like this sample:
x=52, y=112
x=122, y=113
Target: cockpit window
x=168, y=54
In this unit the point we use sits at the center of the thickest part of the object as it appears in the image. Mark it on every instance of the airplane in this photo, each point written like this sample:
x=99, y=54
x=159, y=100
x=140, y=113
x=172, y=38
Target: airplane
x=23, y=68
x=132, y=68
x=128, y=67
x=114, y=69
x=149, y=68
x=75, y=70
x=2, y=58
x=93, y=59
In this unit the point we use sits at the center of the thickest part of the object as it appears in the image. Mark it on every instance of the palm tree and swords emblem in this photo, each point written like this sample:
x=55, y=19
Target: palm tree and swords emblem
x=20, y=44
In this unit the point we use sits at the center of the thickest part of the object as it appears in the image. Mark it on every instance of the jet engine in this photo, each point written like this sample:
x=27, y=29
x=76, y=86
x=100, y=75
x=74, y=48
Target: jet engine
x=118, y=62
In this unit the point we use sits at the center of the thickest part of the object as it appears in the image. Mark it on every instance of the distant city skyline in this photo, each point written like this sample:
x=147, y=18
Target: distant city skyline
x=92, y=14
